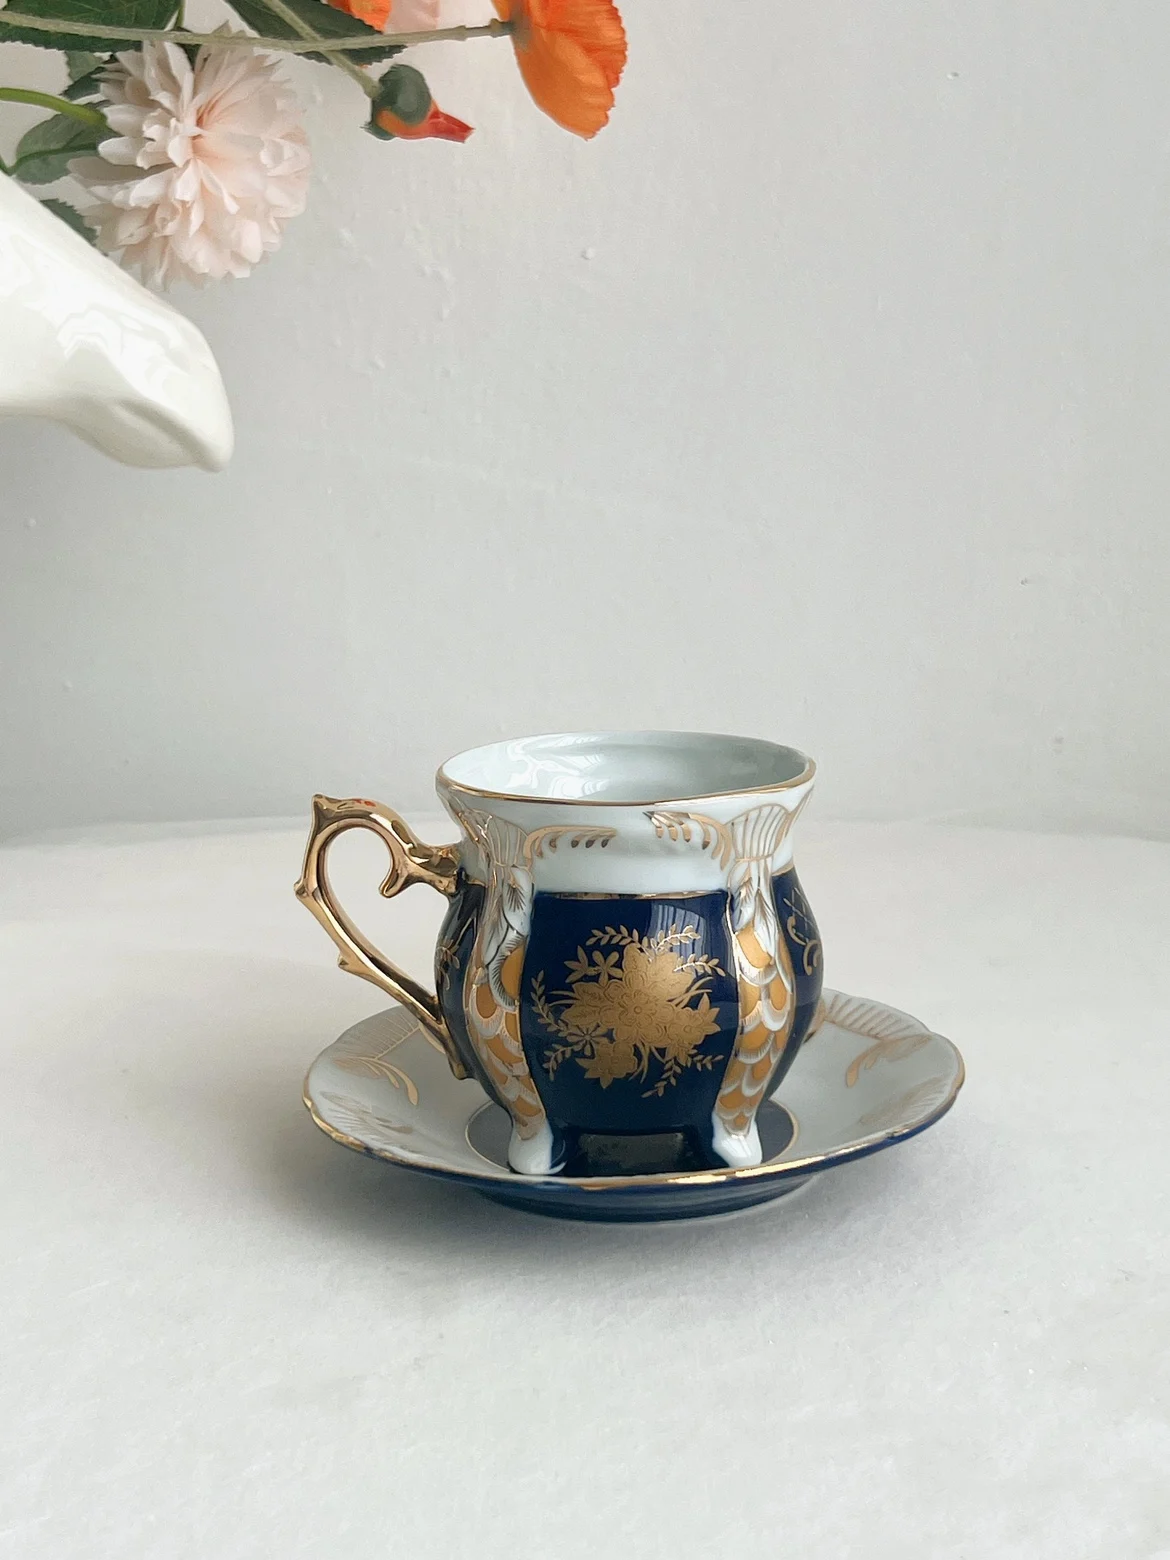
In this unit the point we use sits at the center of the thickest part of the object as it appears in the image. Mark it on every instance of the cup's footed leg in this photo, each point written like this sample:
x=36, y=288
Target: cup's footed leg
x=736, y=1150
x=544, y=1154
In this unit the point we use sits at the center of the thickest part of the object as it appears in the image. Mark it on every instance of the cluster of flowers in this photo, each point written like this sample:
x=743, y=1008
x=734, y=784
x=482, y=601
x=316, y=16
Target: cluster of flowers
x=190, y=148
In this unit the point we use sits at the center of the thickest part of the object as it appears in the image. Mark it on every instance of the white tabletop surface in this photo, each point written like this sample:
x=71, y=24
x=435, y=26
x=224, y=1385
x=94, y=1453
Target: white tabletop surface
x=227, y=1338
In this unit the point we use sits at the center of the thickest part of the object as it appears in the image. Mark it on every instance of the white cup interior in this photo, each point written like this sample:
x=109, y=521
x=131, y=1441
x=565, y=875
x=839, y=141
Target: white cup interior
x=626, y=767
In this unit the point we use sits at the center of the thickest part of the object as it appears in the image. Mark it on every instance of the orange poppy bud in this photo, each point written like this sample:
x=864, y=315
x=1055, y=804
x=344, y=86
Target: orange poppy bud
x=404, y=109
x=437, y=126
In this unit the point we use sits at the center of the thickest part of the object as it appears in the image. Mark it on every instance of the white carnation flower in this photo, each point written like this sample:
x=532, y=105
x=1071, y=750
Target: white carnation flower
x=208, y=163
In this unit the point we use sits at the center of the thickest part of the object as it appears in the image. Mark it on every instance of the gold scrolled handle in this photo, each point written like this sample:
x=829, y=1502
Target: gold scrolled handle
x=411, y=861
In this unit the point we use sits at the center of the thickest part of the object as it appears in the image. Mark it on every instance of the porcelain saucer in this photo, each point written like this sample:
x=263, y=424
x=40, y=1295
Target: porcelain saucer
x=870, y=1077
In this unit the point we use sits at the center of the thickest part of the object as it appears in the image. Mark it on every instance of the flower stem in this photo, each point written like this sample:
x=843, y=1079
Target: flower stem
x=287, y=14
x=81, y=111
x=12, y=18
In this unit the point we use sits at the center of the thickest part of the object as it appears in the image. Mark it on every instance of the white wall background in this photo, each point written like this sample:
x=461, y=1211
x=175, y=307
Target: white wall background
x=824, y=397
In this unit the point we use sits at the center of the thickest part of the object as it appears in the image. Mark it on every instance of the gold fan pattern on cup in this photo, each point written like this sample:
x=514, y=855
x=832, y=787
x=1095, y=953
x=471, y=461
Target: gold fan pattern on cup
x=491, y=991
x=746, y=848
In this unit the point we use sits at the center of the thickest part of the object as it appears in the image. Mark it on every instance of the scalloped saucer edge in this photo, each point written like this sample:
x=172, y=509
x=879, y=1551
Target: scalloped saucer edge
x=870, y=1078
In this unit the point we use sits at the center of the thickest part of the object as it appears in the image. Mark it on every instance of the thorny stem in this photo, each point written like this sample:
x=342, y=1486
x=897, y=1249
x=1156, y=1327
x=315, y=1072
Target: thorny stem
x=493, y=29
x=286, y=12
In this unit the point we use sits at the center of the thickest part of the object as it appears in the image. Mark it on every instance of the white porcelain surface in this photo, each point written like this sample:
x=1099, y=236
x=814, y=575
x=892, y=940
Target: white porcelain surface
x=617, y=784
x=631, y=767
x=646, y=814
x=83, y=343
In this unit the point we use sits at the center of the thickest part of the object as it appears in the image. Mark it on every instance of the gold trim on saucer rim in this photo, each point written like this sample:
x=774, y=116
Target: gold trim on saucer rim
x=773, y=1167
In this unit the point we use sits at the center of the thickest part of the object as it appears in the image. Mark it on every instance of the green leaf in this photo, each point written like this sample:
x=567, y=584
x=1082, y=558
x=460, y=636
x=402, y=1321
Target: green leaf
x=323, y=19
x=71, y=218
x=119, y=13
x=90, y=86
x=43, y=153
x=80, y=62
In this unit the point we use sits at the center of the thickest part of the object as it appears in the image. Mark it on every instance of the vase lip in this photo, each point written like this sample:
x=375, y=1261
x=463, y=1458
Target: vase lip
x=640, y=769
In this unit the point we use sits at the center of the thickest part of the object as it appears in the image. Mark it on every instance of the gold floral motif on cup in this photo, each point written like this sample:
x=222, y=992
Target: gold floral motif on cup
x=632, y=1004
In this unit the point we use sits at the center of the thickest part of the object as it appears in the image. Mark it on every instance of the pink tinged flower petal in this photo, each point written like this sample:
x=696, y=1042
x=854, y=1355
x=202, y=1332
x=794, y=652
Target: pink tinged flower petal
x=209, y=162
x=121, y=150
x=414, y=16
x=124, y=118
x=251, y=242
x=188, y=186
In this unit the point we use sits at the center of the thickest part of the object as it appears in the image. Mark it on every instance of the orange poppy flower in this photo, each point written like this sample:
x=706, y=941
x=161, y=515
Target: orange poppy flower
x=408, y=15
x=375, y=13
x=571, y=54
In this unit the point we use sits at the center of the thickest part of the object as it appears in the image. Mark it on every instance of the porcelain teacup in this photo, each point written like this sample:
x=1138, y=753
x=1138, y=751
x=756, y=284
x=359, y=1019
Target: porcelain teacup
x=627, y=948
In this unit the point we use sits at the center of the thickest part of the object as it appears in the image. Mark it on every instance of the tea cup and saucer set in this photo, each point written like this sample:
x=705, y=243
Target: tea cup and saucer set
x=628, y=1021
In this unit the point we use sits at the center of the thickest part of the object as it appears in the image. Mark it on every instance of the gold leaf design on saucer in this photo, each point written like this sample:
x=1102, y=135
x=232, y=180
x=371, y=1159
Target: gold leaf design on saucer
x=373, y=1064
x=631, y=1000
x=914, y=1102
x=895, y=1035
x=357, y=1117
x=830, y=1135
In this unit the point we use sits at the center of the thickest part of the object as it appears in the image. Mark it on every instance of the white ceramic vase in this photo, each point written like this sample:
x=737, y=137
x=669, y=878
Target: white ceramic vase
x=83, y=343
